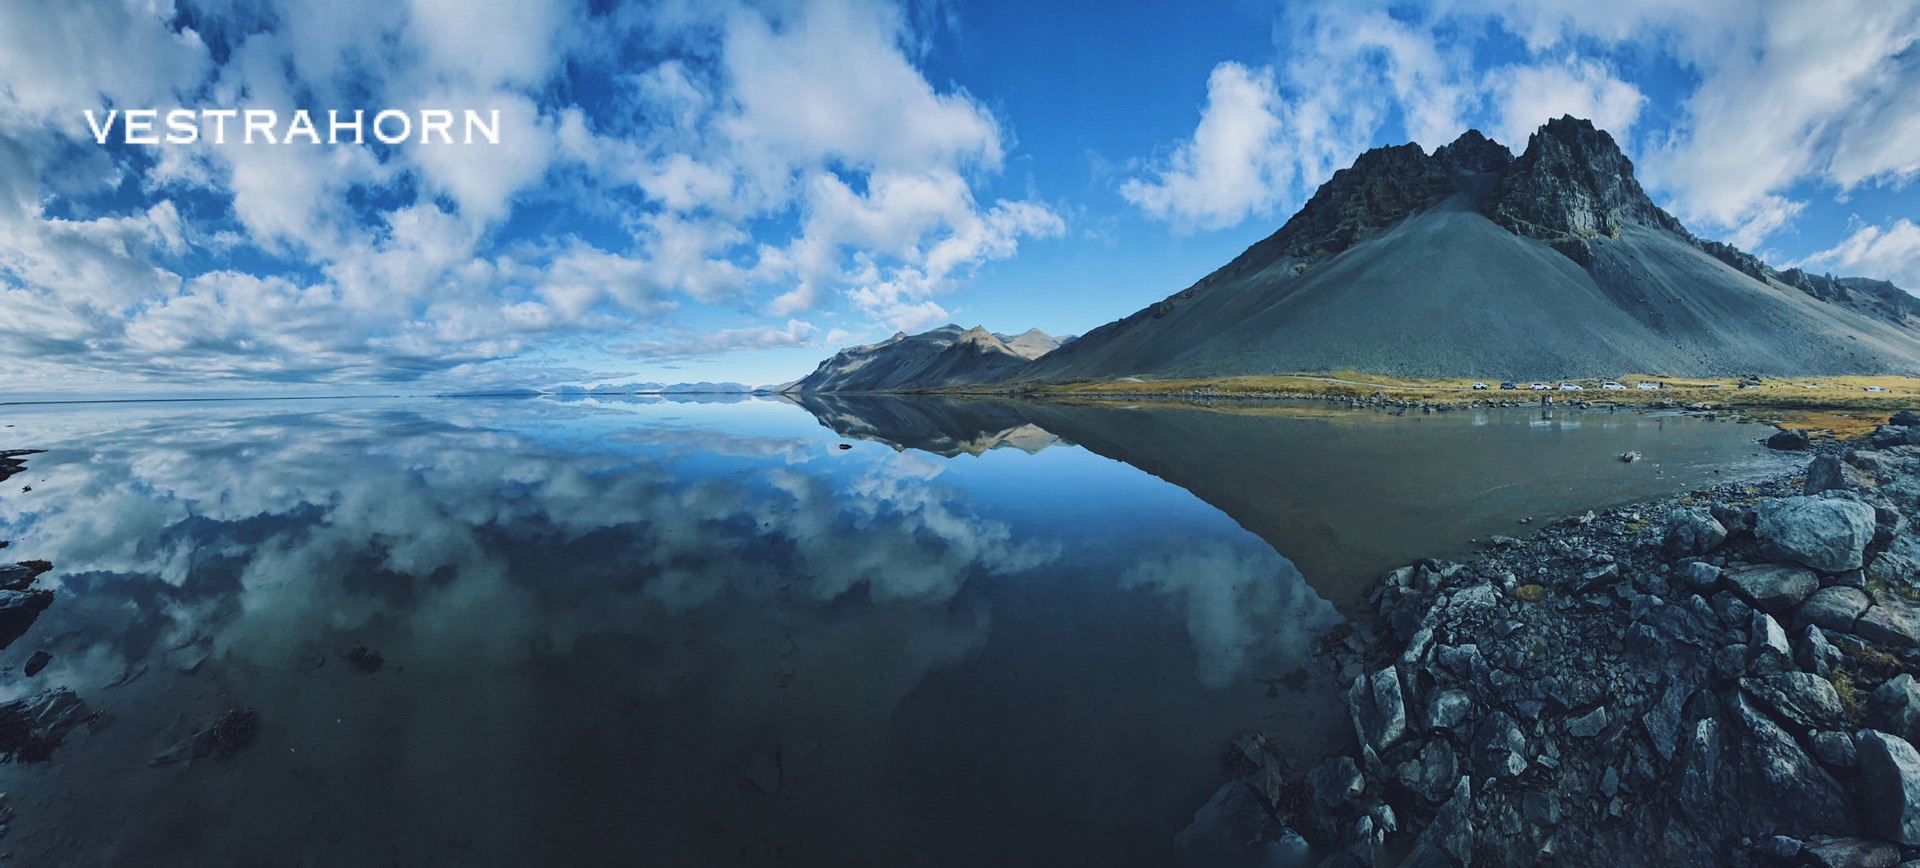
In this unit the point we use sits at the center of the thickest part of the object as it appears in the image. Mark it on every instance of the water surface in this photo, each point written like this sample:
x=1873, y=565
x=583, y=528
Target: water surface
x=619, y=632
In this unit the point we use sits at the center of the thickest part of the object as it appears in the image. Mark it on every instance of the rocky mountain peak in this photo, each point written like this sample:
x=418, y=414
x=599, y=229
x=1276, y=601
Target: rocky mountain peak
x=1572, y=185
x=1474, y=152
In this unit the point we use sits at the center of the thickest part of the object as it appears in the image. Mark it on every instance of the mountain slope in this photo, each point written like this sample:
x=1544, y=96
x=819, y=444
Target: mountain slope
x=1473, y=262
x=943, y=357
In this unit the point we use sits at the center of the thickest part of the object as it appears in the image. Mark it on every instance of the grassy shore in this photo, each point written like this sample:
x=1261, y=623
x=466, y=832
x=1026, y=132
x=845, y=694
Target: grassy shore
x=1840, y=406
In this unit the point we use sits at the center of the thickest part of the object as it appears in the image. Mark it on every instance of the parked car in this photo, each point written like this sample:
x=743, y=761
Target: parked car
x=1479, y=386
x=1875, y=389
x=1612, y=386
x=1540, y=387
x=1570, y=387
x=1648, y=386
x=1508, y=387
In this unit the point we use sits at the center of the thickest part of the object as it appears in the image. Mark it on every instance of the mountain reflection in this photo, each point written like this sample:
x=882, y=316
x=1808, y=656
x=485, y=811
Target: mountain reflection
x=1343, y=494
x=699, y=633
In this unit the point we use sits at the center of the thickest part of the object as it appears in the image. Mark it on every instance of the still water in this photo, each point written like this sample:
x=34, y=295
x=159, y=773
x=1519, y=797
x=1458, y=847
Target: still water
x=517, y=632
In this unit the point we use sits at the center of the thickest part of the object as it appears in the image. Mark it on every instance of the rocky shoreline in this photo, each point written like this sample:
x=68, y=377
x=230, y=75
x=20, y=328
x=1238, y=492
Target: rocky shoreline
x=1724, y=677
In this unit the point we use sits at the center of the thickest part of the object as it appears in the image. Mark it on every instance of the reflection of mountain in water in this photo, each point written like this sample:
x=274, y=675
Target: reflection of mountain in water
x=1345, y=495
x=945, y=428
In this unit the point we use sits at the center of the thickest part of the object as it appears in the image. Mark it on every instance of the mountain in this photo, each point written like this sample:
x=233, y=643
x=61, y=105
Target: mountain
x=1473, y=262
x=943, y=357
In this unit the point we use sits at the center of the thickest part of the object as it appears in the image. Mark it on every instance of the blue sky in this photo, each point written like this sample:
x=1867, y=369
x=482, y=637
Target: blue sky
x=730, y=190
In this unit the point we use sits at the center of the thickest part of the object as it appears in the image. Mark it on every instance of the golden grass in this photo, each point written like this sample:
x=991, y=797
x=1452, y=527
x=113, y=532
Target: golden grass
x=1840, y=406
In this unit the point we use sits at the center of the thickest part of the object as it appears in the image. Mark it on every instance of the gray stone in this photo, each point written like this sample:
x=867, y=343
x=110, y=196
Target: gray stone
x=1817, y=655
x=1431, y=774
x=1773, y=763
x=1336, y=782
x=1775, y=588
x=1826, y=534
x=1835, y=749
x=1448, y=840
x=1664, y=719
x=1788, y=440
x=1829, y=473
x=1379, y=714
x=1894, y=707
x=1835, y=608
x=1899, y=565
x=1700, y=575
x=1693, y=531
x=1500, y=750
x=1890, y=621
x=1768, y=644
x=1890, y=787
x=1801, y=700
x=1588, y=725
x=1824, y=852
x=1229, y=824
x=1449, y=708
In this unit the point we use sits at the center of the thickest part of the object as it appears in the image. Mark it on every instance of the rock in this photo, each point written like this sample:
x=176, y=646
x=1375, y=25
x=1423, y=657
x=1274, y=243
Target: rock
x=1835, y=749
x=1835, y=608
x=1905, y=418
x=1449, y=708
x=1829, y=473
x=1817, y=655
x=1500, y=750
x=1775, y=588
x=1826, y=534
x=37, y=662
x=226, y=736
x=1664, y=719
x=1899, y=564
x=1588, y=725
x=1887, y=436
x=32, y=727
x=1801, y=700
x=1768, y=644
x=1825, y=852
x=763, y=770
x=1448, y=840
x=1336, y=782
x=1231, y=825
x=18, y=611
x=1890, y=787
x=1700, y=575
x=1890, y=621
x=1788, y=440
x=1379, y=713
x=1433, y=772
x=1693, y=531
x=1894, y=707
x=1773, y=763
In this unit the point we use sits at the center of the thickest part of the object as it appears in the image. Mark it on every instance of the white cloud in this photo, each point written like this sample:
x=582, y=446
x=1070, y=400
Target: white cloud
x=1881, y=252
x=1233, y=166
x=794, y=334
x=1526, y=96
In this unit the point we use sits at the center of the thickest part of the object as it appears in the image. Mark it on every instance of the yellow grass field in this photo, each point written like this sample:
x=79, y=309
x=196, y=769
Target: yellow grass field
x=1840, y=406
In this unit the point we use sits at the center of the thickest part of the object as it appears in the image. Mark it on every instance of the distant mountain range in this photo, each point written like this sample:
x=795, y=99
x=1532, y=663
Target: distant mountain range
x=701, y=388
x=1465, y=262
x=946, y=356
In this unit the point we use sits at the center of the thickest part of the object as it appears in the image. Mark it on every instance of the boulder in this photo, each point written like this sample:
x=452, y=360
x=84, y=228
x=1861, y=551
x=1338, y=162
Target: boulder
x=1449, y=708
x=1775, y=588
x=1905, y=418
x=1890, y=787
x=1588, y=725
x=1890, y=621
x=1835, y=608
x=1801, y=700
x=1336, y=782
x=1788, y=440
x=1693, y=531
x=1899, y=564
x=1378, y=710
x=1894, y=707
x=1817, y=655
x=1826, y=534
x=1768, y=644
x=1825, y=852
x=1773, y=763
x=1835, y=749
x=1829, y=473
x=1500, y=749
x=1700, y=575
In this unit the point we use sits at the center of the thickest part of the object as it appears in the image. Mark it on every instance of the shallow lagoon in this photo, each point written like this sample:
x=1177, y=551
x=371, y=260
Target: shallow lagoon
x=705, y=633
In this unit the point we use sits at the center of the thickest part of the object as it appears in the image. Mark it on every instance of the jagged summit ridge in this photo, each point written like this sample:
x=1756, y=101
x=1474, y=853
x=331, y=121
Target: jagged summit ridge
x=1571, y=185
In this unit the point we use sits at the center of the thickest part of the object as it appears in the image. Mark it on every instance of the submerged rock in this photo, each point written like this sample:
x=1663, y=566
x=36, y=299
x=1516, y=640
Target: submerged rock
x=32, y=727
x=1789, y=440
